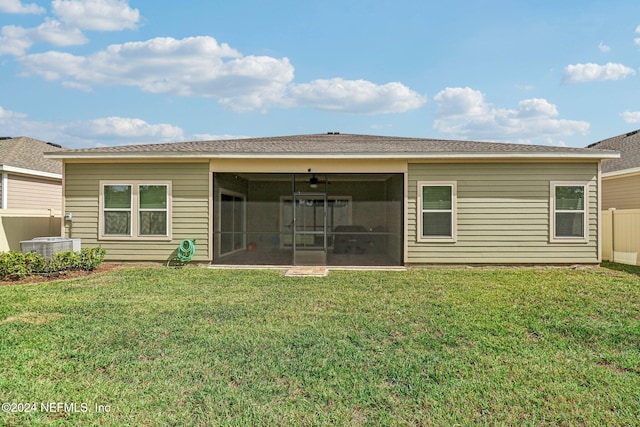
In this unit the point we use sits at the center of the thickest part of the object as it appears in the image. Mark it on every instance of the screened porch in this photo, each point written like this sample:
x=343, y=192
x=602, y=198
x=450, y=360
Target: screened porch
x=308, y=219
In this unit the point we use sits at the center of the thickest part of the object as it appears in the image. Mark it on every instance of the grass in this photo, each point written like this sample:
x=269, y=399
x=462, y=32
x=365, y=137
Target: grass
x=427, y=347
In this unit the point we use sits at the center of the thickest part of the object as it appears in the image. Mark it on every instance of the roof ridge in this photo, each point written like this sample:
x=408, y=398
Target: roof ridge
x=332, y=145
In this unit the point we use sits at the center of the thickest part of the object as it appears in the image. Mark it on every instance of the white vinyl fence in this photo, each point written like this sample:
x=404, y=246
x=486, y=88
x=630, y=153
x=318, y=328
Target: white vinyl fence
x=25, y=224
x=621, y=236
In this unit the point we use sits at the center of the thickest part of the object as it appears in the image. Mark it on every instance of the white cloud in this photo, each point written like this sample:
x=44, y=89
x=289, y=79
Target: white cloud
x=631, y=116
x=103, y=132
x=124, y=129
x=525, y=87
x=58, y=34
x=464, y=113
x=55, y=66
x=74, y=16
x=536, y=107
x=17, y=40
x=604, y=48
x=78, y=86
x=6, y=115
x=637, y=40
x=194, y=66
x=98, y=15
x=16, y=6
x=356, y=96
x=14, y=40
x=461, y=101
x=87, y=133
x=200, y=66
x=581, y=73
x=17, y=124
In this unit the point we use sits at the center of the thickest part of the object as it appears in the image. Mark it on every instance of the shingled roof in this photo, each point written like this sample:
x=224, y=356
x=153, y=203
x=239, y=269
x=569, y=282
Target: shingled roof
x=28, y=153
x=330, y=145
x=628, y=144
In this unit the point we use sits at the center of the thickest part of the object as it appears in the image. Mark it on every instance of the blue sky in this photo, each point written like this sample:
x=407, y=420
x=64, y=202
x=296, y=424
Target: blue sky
x=85, y=73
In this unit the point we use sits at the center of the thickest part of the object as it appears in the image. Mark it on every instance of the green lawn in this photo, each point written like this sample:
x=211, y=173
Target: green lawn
x=152, y=346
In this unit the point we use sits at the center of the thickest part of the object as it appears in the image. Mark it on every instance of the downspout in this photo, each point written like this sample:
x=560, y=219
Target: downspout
x=51, y=223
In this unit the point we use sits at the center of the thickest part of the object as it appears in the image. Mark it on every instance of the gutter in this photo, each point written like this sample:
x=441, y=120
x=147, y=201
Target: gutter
x=23, y=171
x=621, y=172
x=414, y=156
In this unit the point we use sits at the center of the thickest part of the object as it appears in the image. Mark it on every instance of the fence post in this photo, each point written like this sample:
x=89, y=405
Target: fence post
x=613, y=234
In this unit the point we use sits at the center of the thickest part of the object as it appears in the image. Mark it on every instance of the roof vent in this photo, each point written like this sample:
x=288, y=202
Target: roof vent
x=5, y=137
x=333, y=133
x=54, y=145
x=632, y=133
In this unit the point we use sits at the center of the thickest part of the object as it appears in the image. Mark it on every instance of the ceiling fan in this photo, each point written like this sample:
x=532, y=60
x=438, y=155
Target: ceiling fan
x=314, y=181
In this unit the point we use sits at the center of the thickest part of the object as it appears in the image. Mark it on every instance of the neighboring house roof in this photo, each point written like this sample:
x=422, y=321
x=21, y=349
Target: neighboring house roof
x=26, y=155
x=332, y=145
x=628, y=145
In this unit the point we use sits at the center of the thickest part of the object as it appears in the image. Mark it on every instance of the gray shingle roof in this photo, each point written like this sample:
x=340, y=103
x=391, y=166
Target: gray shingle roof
x=322, y=144
x=27, y=153
x=628, y=145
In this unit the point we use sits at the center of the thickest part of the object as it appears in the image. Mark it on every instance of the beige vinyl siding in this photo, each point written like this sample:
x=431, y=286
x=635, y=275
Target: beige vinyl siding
x=503, y=213
x=621, y=192
x=190, y=207
x=27, y=192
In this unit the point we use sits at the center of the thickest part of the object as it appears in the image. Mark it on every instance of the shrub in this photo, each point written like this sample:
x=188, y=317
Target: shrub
x=91, y=258
x=13, y=264
x=17, y=265
x=65, y=260
x=34, y=263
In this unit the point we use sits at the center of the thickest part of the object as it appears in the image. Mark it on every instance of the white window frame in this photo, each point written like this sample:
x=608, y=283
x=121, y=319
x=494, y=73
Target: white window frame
x=135, y=212
x=103, y=210
x=454, y=212
x=553, y=238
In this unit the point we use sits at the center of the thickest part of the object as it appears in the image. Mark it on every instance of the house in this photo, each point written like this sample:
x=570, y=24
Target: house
x=30, y=191
x=29, y=180
x=621, y=177
x=337, y=199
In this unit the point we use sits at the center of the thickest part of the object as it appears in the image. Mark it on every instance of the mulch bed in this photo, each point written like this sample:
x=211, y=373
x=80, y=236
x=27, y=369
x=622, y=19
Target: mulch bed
x=105, y=267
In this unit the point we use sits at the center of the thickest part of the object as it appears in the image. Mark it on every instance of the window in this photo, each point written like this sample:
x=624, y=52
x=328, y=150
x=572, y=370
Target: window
x=569, y=211
x=153, y=210
x=135, y=210
x=436, y=211
x=117, y=210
